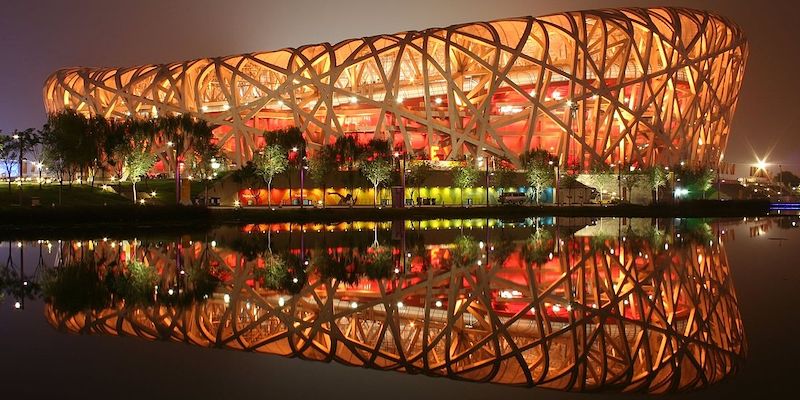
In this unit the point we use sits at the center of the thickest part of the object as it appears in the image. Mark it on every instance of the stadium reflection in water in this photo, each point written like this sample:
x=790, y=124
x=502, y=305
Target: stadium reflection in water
x=618, y=305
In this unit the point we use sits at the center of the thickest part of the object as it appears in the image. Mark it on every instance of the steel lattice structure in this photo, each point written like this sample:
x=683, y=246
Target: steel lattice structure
x=596, y=314
x=634, y=86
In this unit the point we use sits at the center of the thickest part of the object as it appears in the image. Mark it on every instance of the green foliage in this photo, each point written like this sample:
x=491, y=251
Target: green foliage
x=694, y=231
x=341, y=267
x=9, y=154
x=136, y=284
x=184, y=131
x=418, y=171
x=631, y=179
x=322, y=165
x=270, y=161
x=376, y=149
x=697, y=180
x=250, y=246
x=503, y=174
x=201, y=283
x=464, y=176
x=275, y=274
x=75, y=288
x=378, y=263
x=377, y=171
x=206, y=156
x=288, y=138
x=245, y=174
x=656, y=178
x=466, y=251
x=71, y=138
x=538, y=246
x=348, y=151
x=137, y=162
x=539, y=171
x=503, y=247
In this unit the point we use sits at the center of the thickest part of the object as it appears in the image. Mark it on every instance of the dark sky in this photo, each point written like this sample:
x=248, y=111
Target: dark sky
x=40, y=36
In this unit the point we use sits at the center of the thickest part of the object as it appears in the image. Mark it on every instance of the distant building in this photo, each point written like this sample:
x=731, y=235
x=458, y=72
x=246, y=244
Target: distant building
x=30, y=169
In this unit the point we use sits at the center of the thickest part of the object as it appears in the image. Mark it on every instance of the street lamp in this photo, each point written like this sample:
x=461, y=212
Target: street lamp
x=301, y=159
x=19, y=166
x=171, y=145
x=401, y=165
x=558, y=176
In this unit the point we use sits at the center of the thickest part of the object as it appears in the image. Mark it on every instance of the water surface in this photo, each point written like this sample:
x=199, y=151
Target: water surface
x=606, y=305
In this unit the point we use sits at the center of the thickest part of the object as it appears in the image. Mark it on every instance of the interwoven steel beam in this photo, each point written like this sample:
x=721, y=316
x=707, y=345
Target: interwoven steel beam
x=633, y=86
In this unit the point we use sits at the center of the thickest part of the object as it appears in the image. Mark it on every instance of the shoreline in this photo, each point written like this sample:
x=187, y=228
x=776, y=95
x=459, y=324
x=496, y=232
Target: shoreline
x=42, y=220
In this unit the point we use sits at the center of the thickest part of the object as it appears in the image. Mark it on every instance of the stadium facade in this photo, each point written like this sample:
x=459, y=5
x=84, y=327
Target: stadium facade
x=626, y=86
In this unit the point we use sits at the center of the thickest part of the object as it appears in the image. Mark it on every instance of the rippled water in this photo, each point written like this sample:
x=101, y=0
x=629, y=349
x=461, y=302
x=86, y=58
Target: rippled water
x=698, y=307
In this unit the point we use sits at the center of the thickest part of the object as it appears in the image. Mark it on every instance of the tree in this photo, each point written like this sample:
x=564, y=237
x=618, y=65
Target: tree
x=348, y=153
x=539, y=171
x=100, y=131
x=9, y=154
x=418, y=171
x=694, y=179
x=13, y=149
x=377, y=171
x=65, y=141
x=53, y=157
x=464, y=176
x=321, y=166
x=290, y=139
x=602, y=178
x=629, y=181
x=184, y=133
x=466, y=251
x=503, y=174
x=538, y=247
x=270, y=161
x=137, y=162
x=207, y=159
x=787, y=178
x=376, y=149
x=656, y=179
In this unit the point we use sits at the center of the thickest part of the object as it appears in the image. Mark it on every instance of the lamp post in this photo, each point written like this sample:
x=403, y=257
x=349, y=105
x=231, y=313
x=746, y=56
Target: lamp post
x=303, y=168
x=558, y=175
x=171, y=147
x=401, y=165
x=39, y=166
x=214, y=167
x=485, y=161
x=300, y=154
x=19, y=166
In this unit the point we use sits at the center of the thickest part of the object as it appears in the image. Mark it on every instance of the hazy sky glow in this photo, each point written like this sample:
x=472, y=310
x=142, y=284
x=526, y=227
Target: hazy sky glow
x=39, y=36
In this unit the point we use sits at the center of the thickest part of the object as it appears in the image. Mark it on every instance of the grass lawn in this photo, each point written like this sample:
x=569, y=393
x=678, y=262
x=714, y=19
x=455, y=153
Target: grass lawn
x=78, y=195
x=81, y=195
x=164, y=189
x=48, y=195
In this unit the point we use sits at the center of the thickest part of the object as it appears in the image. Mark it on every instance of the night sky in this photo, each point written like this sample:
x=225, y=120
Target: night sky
x=39, y=36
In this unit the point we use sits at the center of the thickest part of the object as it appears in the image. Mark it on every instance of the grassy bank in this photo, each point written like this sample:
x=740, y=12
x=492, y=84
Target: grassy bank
x=52, y=194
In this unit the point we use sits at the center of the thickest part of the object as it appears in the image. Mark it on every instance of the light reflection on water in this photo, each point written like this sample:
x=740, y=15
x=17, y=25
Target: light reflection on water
x=578, y=305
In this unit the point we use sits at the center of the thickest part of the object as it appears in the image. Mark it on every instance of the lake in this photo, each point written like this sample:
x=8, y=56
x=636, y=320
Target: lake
x=470, y=309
